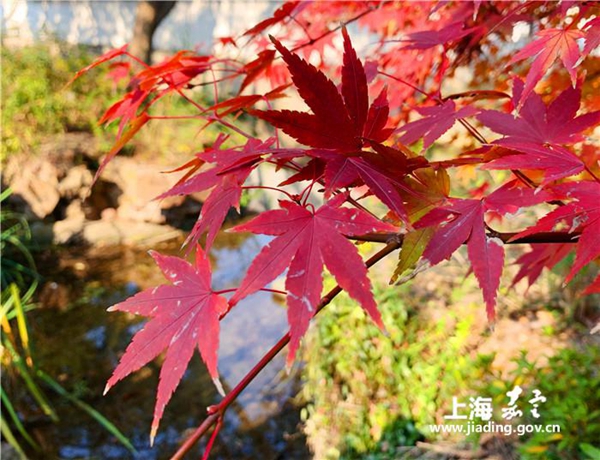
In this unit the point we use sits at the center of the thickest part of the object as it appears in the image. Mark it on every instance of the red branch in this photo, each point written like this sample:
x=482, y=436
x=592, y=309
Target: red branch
x=543, y=237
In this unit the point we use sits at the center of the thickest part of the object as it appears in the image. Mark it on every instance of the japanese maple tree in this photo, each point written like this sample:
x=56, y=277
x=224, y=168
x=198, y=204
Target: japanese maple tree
x=363, y=155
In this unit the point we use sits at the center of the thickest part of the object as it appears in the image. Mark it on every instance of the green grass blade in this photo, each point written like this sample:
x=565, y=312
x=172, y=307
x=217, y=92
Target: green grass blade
x=7, y=303
x=21, y=322
x=9, y=408
x=5, y=194
x=17, y=243
x=10, y=438
x=35, y=391
x=106, y=424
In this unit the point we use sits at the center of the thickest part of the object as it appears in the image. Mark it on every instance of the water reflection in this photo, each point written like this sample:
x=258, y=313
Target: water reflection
x=81, y=343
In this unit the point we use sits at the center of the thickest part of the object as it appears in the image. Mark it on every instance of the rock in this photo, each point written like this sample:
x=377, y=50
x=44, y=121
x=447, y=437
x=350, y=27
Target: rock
x=105, y=233
x=34, y=182
x=101, y=233
x=149, y=212
x=74, y=211
x=145, y=232
x=9, y=452
x=76, y=183
x=140, y=184
x=108, y=214
x=66, y=230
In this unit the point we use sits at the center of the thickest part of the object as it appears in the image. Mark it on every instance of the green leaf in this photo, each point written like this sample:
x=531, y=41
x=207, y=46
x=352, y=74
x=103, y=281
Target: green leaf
x=413, y=245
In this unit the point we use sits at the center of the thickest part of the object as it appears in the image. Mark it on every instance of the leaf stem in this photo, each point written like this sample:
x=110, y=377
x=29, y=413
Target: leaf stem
x=266, y=187
x=211, y=441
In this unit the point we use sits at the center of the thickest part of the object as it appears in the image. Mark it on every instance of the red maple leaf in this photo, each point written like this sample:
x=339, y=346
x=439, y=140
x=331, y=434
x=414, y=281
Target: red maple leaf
x=341, y=124
x=541, y=256
x=541, y=132
x=435, y=122
x=110, y=54
x=592, y=35
x=354, y=86
x=232, y=167
x=338, y=121
x=280, y=14
x=236, y=104
x=551, y=44
x=118, y=71
x=330, y=125
x=464, y=221
x=382, y=171
x=582, y=213
x=426, y=39
x=305, y=240
x=183, y=315
x=377, y=118
x=254, y=68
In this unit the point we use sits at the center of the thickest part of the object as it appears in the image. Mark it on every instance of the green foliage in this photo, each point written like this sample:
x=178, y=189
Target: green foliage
x=589, y=450
x=35, y=103
x=372, y=393
x=571, y=383
x=18, y=266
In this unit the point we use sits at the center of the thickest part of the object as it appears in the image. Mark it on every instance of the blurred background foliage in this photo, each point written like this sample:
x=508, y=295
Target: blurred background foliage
x=35, y=102
x=371, y=395
x=571, y=385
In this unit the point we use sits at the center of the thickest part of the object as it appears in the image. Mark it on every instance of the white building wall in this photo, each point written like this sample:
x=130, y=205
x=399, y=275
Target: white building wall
x=109, y=23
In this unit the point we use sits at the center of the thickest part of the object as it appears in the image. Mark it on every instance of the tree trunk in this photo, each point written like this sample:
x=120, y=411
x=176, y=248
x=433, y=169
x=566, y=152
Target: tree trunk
x=148, y=16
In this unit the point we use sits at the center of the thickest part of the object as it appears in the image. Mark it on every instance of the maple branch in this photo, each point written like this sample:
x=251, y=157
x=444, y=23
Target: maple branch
x=506, y=238
x=218, y=119
x=303, y=27
x=215, y=413
x=214, y=117
x=136, y=59
x=410, y=85
x=591, y=173
x=335, y=29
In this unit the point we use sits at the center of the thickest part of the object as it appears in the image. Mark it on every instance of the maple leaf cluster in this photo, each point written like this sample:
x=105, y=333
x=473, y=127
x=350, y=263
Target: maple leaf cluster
x=364, y=155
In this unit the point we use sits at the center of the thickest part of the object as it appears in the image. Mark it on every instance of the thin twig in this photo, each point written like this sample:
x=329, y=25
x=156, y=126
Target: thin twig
x=335, y=29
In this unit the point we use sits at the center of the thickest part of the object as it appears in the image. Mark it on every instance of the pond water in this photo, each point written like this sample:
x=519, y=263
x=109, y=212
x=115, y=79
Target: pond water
x=79, y=344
